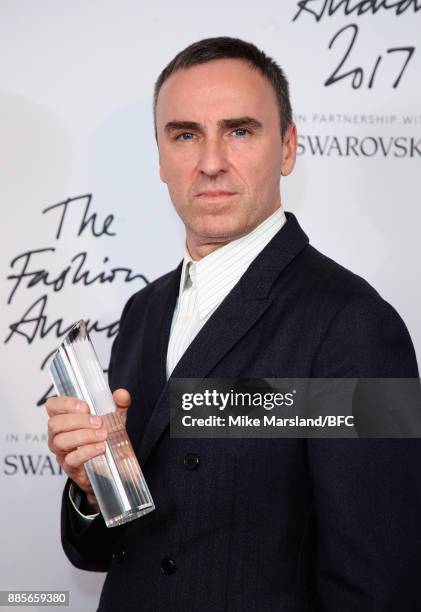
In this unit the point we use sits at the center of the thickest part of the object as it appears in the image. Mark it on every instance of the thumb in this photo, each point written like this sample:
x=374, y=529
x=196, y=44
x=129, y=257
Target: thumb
x=123, y=401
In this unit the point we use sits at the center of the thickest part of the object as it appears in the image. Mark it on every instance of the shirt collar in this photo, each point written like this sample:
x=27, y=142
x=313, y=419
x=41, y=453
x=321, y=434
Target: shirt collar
x=217, y=273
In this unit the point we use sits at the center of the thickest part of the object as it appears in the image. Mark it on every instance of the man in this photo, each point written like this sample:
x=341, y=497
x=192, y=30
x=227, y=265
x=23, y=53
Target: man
x=264, y=524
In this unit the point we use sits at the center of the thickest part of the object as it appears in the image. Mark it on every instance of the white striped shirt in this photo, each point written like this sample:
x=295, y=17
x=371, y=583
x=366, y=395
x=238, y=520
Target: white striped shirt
x=205, y=283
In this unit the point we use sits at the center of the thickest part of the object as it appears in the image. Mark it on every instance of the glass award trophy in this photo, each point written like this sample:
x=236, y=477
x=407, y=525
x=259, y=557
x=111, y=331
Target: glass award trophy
x=115, y=476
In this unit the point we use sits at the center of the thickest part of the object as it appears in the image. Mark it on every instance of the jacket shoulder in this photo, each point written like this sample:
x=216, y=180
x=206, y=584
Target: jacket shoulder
x=336, y=281
x=362, y=333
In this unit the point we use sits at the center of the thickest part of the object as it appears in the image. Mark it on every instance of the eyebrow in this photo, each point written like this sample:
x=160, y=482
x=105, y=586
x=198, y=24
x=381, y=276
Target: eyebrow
x=234, y=122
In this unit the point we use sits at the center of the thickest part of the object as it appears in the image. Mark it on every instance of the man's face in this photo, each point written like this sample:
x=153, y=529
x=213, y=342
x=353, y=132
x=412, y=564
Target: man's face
x=220, y=149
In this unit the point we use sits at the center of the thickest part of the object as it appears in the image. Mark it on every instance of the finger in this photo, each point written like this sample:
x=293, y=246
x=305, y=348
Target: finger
x=63, y=405
x=69, y=441
x=72, y=421
x=60, y=457
x=75, y=459
x=122, y=399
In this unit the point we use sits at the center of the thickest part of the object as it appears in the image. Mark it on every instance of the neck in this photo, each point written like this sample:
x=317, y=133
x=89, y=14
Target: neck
x=198, y=251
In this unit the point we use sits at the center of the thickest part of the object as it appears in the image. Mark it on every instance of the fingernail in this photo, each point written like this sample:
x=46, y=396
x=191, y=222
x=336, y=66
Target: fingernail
x=95, y=421
x=101, y=433
x=100, y=446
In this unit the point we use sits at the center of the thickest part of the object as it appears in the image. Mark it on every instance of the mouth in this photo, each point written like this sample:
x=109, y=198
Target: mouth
x=215, y=194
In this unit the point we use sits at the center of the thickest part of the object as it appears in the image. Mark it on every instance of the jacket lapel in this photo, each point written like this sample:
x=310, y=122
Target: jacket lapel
x=240, y=310
x=156, y=335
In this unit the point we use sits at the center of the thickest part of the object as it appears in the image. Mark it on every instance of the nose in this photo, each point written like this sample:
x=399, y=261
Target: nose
x=212, y=160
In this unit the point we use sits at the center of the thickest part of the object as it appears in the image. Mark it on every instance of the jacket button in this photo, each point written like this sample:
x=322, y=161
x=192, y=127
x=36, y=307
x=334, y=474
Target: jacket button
x=191, y=461
x=119, y=555
x=168, y=566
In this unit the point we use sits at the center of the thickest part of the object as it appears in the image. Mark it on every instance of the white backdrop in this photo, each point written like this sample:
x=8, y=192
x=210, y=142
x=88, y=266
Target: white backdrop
x=76, y=127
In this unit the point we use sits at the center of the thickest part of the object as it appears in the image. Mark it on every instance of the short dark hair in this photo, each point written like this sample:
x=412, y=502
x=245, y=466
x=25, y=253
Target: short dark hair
x=225, y=47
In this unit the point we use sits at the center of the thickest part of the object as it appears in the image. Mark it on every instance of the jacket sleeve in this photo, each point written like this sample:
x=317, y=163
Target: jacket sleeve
x=89, y=545
x=367, y=493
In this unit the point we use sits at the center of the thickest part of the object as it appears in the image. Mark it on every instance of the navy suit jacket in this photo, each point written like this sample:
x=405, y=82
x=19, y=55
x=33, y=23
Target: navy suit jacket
x=263, y=524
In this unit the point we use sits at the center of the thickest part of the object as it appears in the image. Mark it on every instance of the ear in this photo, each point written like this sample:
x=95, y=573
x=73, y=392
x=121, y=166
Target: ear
x=161, y=171
x=289, y=150
x=162, y=174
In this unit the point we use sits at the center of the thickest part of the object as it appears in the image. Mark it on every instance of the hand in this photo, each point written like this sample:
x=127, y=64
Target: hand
x=75, y=436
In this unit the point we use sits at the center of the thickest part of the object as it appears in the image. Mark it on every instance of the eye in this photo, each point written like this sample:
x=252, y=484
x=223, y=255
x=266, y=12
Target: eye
x=243, y=131
x=180, y=136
